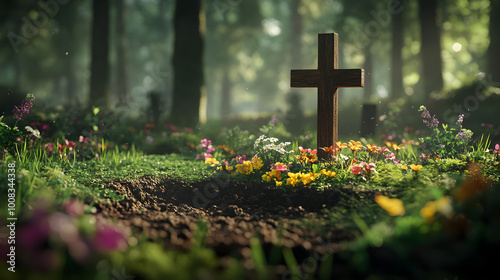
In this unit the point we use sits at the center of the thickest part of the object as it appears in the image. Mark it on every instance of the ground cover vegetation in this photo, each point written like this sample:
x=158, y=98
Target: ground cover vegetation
x=98, y=198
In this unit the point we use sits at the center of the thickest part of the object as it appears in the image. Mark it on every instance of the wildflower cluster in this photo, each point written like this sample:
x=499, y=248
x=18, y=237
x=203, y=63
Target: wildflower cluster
x=307, y=155
x=270, y=150
x=363, y=168
x=207, y=148
x=25, y=107
x=69, y=233
x=447, y=142
x=429, y=121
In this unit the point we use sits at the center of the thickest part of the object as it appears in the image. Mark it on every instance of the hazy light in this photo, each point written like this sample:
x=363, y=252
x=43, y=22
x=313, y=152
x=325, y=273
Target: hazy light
x=382, y=91
x=272, y=27
x=457, y=47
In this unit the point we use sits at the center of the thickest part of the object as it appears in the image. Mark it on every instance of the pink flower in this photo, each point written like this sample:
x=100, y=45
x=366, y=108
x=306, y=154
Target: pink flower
x=70, y=144
x=109, y=237
x=497, y=149
x=166, y=126
x=174, y=128
x=74, y=207
x=279, y=167
x=83, y=139
x=49, y=147
x=240, y=159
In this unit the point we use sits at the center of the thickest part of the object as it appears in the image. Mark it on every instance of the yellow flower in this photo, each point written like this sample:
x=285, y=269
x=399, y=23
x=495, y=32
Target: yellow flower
x=212, y=161
x=442, y=205
x=393, y=206
x=266, y=178
x=245, y=168
x=416, y=168
x=293, y=179
x=278, y=183
x=229, y=167
x=257, y=163
x=327, y=173
x=355, y=146
x=306, y=178
x=404, y=167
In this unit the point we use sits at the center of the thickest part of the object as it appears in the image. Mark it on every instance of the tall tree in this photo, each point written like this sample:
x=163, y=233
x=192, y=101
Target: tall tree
x=99, y=80
x=494, y=47
x=430, y=34
x=187, y=62
x=396, y=56
x=122, y=88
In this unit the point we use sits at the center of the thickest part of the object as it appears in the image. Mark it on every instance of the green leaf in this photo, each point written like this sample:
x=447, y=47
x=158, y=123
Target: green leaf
x=96, y=110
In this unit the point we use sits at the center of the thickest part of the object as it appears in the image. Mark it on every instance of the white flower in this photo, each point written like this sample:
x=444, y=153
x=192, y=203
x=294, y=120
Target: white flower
x=34, y=132
x=272, y=139
x=257, y=142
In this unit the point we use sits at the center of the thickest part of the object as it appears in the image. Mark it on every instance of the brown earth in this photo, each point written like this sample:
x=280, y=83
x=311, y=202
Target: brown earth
x=233, y=212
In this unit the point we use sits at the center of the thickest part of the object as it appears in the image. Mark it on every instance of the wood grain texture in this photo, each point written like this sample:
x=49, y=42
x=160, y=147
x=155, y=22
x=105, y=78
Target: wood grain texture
x=327, y=78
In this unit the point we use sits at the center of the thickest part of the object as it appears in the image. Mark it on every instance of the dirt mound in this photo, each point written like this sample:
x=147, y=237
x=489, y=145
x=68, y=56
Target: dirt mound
x=233, y=212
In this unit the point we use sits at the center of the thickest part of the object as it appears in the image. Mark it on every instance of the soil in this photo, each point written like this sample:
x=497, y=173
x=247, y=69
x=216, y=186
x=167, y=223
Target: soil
x=233, y=212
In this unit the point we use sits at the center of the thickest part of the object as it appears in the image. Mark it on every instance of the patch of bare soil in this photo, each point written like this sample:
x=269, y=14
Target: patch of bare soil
x=233, y=212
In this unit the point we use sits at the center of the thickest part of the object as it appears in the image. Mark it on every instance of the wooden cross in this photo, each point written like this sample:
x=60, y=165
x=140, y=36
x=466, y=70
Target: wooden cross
x=327, y=78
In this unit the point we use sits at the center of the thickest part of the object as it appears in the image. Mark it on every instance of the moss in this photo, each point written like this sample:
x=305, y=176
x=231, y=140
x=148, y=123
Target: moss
x=388, y=175
x=452, y=164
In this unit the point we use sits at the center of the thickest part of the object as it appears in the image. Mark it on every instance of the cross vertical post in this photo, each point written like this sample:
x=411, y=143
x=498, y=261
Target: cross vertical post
x=327, y=78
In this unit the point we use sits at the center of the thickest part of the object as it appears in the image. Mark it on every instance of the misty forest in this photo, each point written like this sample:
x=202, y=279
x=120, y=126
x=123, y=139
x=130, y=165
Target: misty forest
x=249, y=139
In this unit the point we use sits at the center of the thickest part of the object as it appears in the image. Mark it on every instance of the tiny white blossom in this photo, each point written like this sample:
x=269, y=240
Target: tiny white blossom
x=272, y=139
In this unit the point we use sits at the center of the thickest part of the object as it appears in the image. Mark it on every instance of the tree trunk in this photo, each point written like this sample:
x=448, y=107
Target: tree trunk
x=99, y=80
x=494, y=47
x=368, y=66
x=122, y=89
x=432, y=72
x=226, y=95
x=295, y=35
x=396, y=57
x=187, y=63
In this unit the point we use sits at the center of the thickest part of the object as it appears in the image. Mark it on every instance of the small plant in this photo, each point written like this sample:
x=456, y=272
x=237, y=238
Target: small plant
x=450, y=142
x=10, y=135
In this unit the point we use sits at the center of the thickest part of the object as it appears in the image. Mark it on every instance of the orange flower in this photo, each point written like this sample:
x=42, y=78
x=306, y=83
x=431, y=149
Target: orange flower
x=371, y=148
x=394, y=146
x=341, y=145
x=355, y=146
x=331, y=150
x=393, y=206
x=150, y=126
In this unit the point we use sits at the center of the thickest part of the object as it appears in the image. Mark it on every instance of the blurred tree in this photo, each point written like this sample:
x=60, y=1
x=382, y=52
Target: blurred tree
x=430, y=33
x=396, y=56
x=494, y=47
x=122, y=88
x=187, y=62
x=99, y=80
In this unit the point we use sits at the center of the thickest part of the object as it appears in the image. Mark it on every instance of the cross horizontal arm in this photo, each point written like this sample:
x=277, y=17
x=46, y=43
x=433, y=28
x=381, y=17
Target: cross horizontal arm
x=304, y=78
x=348, y=77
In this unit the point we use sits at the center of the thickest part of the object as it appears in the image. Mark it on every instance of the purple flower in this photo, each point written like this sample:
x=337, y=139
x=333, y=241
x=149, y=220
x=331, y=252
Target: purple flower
x=460, y=119
x=274, y=120
x=25, y=107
